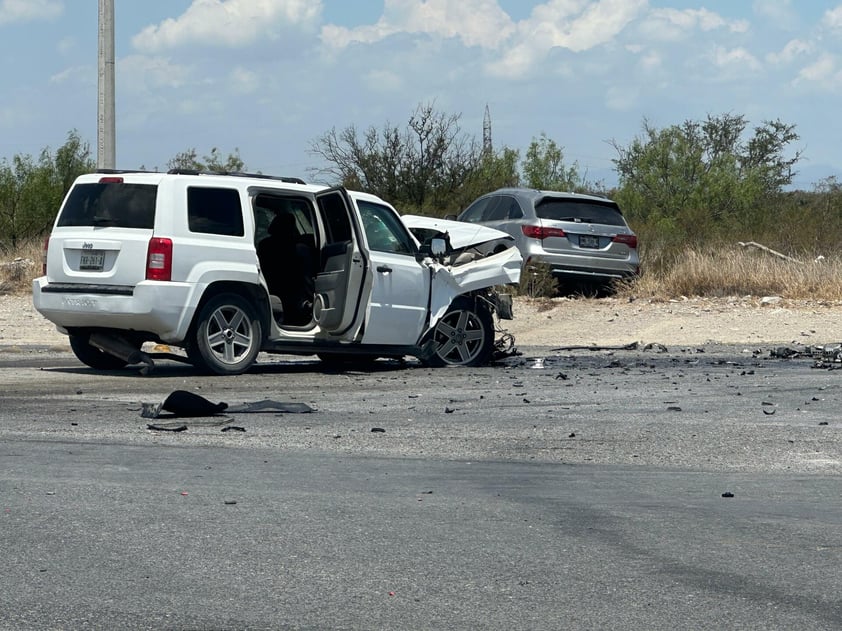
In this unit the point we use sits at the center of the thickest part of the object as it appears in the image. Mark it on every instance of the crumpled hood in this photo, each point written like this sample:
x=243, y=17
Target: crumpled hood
x=462, y=234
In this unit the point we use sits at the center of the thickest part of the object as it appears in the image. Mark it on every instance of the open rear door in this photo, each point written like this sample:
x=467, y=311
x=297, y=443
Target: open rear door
x=343, y=286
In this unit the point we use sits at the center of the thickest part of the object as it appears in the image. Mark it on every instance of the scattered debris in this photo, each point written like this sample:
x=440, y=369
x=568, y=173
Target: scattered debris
x=378, y=430
x=727, y=494
x=166, y=427
x=654, y=346
x=233, y=428
x=620, y=347
x=184, y=404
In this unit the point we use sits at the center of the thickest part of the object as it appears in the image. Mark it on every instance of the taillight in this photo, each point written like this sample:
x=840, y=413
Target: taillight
x=542, y=232
x=159, y=259
x=44, y=256
x=110, y=180
x=629, y=239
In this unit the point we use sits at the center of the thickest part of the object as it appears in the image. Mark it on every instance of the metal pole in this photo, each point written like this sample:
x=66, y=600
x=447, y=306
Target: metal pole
x=106, y=155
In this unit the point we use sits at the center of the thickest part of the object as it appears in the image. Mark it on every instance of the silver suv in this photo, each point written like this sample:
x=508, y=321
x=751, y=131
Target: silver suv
x=228, y=265
x=581, y=237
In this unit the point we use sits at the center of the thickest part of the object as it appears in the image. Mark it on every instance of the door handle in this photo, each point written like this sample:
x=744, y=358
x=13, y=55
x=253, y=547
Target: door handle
x=384, y=269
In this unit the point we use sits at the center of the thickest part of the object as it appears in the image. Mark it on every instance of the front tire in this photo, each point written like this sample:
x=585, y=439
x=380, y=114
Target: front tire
x=464, y=336
x=92, y=356
x=227, y=336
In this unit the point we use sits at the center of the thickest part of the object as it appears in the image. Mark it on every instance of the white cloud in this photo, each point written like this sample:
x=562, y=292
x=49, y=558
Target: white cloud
x=575, y=25
x=833, y=18
x=139, y=73
x=75, y=74
x=384, y=81
x=674, y=24
x=781, y=12
x=475, y=22
x=243, y=80
x=735, y=58
x=824, y=70
x=29, y=10
x=231, y=23
x=793, y=49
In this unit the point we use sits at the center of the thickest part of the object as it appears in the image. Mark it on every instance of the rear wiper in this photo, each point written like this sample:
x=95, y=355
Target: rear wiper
x=103, y=221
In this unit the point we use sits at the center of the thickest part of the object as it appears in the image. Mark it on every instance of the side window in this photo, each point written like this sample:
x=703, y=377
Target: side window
x=384, y=232
x=498, y=209
x=473, y=213
x=215, y=211
x=515, y=211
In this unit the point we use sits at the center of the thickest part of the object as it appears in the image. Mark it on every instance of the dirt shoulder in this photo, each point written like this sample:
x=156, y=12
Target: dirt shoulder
x=562, y=322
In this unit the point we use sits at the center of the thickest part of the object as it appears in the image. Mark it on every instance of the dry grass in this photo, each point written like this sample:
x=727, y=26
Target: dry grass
x=734, y=271
x=19, y=268
x=716, y=272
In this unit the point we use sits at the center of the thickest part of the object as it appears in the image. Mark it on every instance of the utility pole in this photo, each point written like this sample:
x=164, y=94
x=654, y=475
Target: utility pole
x=106, y=152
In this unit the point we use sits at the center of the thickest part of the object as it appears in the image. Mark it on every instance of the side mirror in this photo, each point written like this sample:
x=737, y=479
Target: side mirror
x=450, y=217
x=438, y=247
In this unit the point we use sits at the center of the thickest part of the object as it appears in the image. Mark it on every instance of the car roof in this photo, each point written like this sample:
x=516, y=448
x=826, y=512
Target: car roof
x=533, y=194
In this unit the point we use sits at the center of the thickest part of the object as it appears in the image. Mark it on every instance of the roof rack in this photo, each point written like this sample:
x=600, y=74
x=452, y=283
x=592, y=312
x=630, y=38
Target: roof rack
x=117, y=171
x=280, y=178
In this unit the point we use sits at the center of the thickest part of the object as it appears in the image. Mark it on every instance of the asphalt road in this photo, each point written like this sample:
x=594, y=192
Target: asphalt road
x=555, y=490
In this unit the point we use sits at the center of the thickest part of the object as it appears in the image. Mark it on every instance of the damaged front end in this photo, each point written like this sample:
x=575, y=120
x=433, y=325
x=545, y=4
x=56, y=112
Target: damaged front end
x=468, y=264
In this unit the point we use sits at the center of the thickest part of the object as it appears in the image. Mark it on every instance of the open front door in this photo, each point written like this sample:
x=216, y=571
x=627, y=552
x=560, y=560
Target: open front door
x=343, y=285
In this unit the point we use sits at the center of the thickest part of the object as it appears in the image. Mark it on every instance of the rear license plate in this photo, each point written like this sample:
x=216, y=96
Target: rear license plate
x=588, y=241
x=92, y=260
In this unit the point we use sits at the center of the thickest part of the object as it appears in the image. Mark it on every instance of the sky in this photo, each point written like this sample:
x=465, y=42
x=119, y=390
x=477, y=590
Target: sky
x=269, y=77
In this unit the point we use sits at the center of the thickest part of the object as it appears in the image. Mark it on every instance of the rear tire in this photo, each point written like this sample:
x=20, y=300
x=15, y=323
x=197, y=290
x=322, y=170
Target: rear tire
x=464, y=336
x=92, y=356
x=227, y=336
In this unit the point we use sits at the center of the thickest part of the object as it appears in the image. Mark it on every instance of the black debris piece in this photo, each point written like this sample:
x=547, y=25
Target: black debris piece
x=448, y=410
x=378, y=430
x=233, y=428
x=658, y=348
x=183, y=404
x=166, y=427
x=727, y=494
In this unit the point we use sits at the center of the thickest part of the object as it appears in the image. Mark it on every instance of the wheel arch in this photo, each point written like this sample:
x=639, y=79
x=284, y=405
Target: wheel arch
x=255, y=294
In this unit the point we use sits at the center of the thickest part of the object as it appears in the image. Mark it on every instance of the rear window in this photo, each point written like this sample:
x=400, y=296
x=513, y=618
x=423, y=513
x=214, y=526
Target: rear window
x=580, y=211
x=110, y=204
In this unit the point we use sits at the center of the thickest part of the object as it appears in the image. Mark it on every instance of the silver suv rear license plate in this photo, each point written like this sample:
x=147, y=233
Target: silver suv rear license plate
x=92, y=260
x=588, y=241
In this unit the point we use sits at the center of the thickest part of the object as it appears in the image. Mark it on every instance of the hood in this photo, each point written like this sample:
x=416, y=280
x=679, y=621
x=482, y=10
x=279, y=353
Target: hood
x=462, y=234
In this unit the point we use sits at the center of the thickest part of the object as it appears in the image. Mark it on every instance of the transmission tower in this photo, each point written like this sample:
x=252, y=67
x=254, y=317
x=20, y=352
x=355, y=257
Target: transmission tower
x=486, y=132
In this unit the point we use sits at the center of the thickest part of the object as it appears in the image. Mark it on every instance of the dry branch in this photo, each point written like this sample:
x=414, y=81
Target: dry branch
x=752, y=244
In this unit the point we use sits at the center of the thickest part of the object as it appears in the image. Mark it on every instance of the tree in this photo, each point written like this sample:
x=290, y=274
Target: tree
x=214, y=161
x=422, y=166
x=31, y=191
x=544, y=168
x=705, y=166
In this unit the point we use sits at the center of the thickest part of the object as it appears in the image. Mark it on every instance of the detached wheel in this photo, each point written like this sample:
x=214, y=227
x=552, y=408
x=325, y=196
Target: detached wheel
x=464, y=336
x=227, y=336
x=92, y=356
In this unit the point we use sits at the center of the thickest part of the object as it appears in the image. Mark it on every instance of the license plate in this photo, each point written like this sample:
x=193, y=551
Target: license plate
x=92, y=260
x=588, y=241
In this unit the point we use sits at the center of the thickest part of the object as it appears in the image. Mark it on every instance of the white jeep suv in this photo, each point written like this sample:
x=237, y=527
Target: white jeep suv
x=229, y=265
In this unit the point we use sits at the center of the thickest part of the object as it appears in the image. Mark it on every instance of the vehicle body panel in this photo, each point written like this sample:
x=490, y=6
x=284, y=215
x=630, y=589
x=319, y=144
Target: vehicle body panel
x=575, y=232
